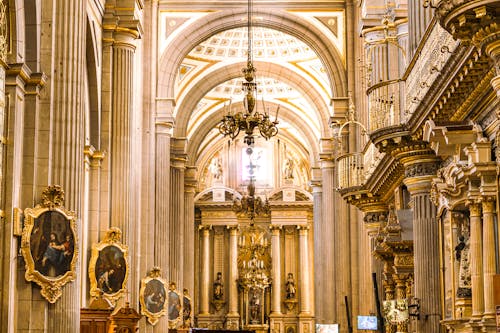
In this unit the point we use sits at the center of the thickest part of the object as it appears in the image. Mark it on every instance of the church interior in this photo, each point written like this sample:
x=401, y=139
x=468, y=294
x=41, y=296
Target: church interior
x=249, y=165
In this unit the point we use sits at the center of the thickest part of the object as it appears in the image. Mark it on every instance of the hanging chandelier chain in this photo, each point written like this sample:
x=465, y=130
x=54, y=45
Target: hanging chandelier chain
x=250, y=32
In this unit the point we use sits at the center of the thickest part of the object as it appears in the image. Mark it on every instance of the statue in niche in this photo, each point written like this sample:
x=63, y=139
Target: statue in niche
x=254, y=306
x=288, y=169
x=462, y=255
x=218, y=287
x=290, y=287
x=215, y=168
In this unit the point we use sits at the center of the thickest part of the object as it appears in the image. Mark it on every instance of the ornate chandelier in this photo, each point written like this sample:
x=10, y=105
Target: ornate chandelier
x=247, y=121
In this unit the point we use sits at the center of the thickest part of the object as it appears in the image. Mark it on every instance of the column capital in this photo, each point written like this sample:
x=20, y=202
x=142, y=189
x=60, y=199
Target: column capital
x=205, y=228
x=275, y=227
x=121, y=27
x=93, y=156
x=233, y=229
x=303, y=229
x=488, y=204
x=474, y=207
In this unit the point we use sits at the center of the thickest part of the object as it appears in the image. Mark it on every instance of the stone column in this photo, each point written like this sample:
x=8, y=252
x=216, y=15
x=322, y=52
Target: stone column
x=476, y=259
x=489, y=253
x=205, y=270
x=66, y=143
x=305, y=284
x=123, y=201
x=419, y=171
x=324, y=231
x=233, y=315
x=276, y=270
x=176, y=223
x=189, y=253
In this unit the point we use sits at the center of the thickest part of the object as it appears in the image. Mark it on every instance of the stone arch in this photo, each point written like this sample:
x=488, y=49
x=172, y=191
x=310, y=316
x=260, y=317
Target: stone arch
x=202, y=131
x=234, y=71
x=225, y=20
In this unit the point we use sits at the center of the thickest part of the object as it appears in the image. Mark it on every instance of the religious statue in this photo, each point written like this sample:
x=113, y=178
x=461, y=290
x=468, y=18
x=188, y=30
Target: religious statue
x=462, y=255
x=288, y=169
x=290, y=287
x=218, y=287
x=216, y=168
x=254, y=307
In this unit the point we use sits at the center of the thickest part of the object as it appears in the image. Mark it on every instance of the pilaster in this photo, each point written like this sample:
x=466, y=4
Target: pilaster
x=205, y=271
x=420, y=167
x=120, y=32
x=176, y=223
x=189, y=232
x=66, y=147
x=476, y=264
x=489, y=253
x=233, y=316
x=276, y=270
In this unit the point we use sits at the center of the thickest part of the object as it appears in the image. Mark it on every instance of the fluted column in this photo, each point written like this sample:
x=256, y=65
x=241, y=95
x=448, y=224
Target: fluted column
x=205, y=270
x=276, y=270
x=162, y=195
x=305, y=284
x=419, y=18
x=121, y=159
x=189, y=253
x=176, y=223
x=233, y=271
x=324, y=231
x=489, y=265
x=476, y=259
x=124, y=205
x=426, y=241
x=66, y=149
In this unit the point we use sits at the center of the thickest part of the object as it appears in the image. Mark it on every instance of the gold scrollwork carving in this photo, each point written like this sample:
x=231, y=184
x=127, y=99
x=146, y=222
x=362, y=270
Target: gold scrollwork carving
x=152, y=296
x=109, y=267
x=49, y=244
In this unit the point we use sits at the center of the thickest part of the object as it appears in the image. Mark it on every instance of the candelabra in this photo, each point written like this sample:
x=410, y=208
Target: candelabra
x=254, y=258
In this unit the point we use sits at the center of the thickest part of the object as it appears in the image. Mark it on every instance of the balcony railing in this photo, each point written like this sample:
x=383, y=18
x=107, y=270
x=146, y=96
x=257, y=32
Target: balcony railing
x=350, y=170
x=384, y=104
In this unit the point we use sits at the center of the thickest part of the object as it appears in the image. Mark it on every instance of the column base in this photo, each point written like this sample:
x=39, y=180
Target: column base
x=233, y=321
x=306, y=323
x=470, y=325
x=276, y=323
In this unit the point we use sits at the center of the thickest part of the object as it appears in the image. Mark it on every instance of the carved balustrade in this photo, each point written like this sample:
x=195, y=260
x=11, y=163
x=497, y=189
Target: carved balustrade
x=350, y=170
x=384, y=104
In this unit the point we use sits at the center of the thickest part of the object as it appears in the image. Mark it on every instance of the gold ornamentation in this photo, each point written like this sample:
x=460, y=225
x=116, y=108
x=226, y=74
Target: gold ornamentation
x=53, y=196
x=4, y=32
x=109, y=267
x=152, y=296
x=49, y=244
x=254, y=259
x=174, y=306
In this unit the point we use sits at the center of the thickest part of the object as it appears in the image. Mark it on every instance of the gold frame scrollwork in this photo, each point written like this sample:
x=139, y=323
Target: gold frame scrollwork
x=153, y=275
x=172, y=292
x=100, y=281
x=43, y=227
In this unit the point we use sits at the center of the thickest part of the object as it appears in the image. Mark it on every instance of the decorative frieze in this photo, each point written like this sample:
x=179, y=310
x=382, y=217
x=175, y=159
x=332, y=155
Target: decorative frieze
x=421, y=169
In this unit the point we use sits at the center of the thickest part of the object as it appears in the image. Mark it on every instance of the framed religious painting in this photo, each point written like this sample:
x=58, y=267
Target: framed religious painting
x=108, y=267
x=174, y=307
x=49, y=244
x=153, y=296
